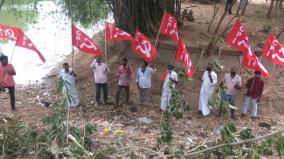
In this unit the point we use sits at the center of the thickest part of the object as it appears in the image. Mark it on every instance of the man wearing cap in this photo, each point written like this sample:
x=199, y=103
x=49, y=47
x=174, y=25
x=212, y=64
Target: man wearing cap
x=232, y=83
x=254, y=87
x=167, y=85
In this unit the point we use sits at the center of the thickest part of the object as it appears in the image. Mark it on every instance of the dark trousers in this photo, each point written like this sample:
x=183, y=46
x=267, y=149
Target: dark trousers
x=12, y=97
x=126, y=88
x=99, y=87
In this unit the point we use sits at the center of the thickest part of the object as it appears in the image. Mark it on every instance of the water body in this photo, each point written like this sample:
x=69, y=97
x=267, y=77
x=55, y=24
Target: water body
x=51, y=34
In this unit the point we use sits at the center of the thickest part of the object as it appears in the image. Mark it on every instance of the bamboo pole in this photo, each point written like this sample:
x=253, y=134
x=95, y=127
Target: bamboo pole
x=12, y=56
x=203, y=50
x=72, y=65
x=159, y=30
x=106, y=61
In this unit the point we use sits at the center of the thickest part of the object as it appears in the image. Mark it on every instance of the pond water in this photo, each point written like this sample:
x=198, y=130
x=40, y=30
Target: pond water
x=51, y=34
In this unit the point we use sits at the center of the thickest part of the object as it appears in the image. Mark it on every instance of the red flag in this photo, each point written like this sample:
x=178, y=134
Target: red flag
x=255, y=65
x=8, y=32
x=83, y=42
x=182, y=56
x=143, y=47
x=274, y=51
x=164, y=75
x=238, y=39
x=169, y=26
x=114, y=34
x=25, y=42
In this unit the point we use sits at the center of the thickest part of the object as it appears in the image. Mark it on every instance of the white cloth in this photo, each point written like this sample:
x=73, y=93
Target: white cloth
x=168, y=85
x=144, y=79
x=69, y=88
x=100, y=72
x=206, y=92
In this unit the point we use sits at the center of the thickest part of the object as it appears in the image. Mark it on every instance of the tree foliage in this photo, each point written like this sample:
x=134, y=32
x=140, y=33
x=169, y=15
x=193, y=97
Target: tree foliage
x=128, y=14
x=86, y=12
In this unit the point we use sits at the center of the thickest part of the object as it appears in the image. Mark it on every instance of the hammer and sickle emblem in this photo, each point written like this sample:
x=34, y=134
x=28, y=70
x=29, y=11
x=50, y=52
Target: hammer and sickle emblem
x=146, y=50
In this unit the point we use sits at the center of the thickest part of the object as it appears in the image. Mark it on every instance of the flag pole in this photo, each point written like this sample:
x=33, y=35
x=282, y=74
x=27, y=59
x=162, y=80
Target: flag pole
x=72, y=64
x=105, y=47
x=13, y=51
x=159, y=30
x=203, y=50
x=105, y=39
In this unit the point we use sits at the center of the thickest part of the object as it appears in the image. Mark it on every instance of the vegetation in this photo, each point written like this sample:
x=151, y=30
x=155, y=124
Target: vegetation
x=24, y=17
x=87, y=13
x=176, y=106
x=13, y=13
x=53, y=141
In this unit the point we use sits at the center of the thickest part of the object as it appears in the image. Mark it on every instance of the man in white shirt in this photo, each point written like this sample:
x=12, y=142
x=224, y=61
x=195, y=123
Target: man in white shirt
x=209, y=80
x=100, y=73
x=143, y=80
x=167, y=85
x=232, y=82
x=69, y=88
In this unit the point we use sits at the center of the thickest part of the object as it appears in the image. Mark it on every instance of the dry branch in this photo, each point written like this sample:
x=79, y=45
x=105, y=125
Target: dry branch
x=142, y=148
x=216, y=9
x=234, y=144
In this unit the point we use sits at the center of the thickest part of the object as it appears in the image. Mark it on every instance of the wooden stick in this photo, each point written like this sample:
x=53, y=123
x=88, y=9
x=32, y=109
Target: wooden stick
x=72, y=65
x=13, y=51
x=159, y=30
x=203, y=50
x=142, y=148
x=105, y=41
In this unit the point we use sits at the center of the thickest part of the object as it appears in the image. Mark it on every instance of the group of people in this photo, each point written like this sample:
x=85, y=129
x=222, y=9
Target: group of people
x=231, y=82
x=124, y=75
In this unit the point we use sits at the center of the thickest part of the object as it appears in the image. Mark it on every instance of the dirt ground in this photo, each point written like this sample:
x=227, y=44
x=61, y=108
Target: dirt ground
x=188, y=131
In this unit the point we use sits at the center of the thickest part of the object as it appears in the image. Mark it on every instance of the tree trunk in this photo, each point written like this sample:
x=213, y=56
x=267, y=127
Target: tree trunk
x=143, y=14
x=244, y=7
x=1, y=4
x=213, y=38
x=270, y=9
x=238, y=9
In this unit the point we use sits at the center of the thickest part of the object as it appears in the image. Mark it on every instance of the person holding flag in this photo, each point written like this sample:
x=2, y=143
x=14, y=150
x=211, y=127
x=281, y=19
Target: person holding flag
x=69, y=88
x=167, y=85
x=143, y=80
x=123, y=74
x=7, y=72
x=100, y=74
x=255, y=87
x=209, y=81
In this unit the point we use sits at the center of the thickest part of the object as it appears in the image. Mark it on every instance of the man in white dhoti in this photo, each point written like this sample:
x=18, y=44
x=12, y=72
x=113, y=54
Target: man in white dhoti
x=209, y=80
x=168, y=84
x=69, y=88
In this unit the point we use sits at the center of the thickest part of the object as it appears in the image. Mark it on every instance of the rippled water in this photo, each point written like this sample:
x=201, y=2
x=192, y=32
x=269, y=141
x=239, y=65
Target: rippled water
x=52, y=36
